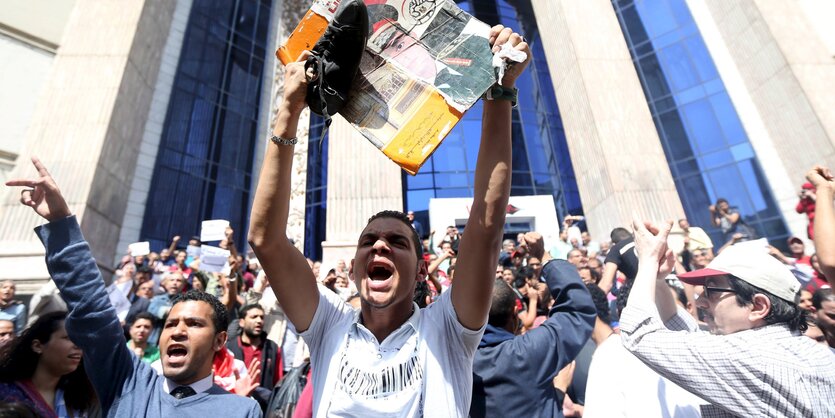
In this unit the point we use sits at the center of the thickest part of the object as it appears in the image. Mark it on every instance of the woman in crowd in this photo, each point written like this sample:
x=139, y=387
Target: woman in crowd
x=42, y=369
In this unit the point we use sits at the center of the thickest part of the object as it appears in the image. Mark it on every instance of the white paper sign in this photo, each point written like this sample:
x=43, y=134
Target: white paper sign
x=193, y=251
x=139, y=248
x=116, y=294
x=214, y=230
x=213, y=259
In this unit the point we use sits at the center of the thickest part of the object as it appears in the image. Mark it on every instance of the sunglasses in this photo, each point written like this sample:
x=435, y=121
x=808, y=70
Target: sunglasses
x=713, y=293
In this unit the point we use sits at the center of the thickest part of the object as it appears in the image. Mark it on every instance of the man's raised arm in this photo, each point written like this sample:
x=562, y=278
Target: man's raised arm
x=479, y=248
x=287, y=269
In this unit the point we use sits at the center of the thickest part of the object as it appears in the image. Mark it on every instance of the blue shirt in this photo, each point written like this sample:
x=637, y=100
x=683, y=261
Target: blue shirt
x=126, y=386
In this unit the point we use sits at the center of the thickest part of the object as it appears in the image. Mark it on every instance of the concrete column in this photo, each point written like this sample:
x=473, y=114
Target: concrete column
x=618, y=160
x=88, y=126
x=780, y=75
x=361, y=182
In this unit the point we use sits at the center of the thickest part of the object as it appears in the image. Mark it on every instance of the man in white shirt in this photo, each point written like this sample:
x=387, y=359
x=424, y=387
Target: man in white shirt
x=389, y=358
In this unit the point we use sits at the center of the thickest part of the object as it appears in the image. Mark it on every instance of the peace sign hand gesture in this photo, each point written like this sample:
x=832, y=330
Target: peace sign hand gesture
x=42, y=194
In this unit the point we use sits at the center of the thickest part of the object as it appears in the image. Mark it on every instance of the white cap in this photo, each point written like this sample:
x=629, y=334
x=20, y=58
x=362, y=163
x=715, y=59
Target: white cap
x=753, y=265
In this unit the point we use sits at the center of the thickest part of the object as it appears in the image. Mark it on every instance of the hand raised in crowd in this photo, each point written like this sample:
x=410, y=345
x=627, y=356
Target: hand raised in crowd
x=535, y=244
x=42, y=194
x=244, y=385
x=821, y=177
x=651, y=241
x=499, y=35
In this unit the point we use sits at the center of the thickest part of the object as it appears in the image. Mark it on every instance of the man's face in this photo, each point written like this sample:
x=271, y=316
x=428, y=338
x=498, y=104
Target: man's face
x=385, y=267
x=140, y=330
x=164, y=254
x=585, y=274
x=340, y=265
x=797, y=247
x=722, y=314
x=699, y=259
x=6, y=331
x=411, y=216
x=317, y=266
x=146, y=290
x=174, y=284
x=724, y=206
x=826, y=316
x=508, y=246
x=194, y=242
x=536, y=265
x=604, y=247
x=253, y=322
x=805, y=301
x=188, y=342
x=499, y=272
x=7, y=291
x=563, y=235
x=181, y=258
x=577, y=258
x=342, y=281
x=508, y=277
x=586, y=237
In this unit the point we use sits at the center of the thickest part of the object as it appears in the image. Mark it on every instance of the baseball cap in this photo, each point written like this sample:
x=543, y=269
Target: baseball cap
x=752, y=265
x=793, y=239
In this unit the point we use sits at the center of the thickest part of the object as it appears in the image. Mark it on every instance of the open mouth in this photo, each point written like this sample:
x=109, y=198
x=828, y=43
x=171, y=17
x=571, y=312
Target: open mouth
x=379, y=271
x=176, y=352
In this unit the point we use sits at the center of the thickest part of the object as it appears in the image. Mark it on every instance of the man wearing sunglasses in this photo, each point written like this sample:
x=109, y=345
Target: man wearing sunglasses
x=754, y=362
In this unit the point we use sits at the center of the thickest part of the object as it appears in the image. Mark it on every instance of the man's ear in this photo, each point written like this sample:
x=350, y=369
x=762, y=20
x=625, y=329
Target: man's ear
x=422, y=270
x=351, y=270
x=241, y=323
x=219, y=341
x=37, y=346
x=760, y=307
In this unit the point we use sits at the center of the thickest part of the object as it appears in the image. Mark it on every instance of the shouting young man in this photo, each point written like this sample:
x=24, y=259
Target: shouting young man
x=389, y=358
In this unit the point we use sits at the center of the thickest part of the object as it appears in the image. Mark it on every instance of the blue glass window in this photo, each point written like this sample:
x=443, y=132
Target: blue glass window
x=204, y=163
x=704, y=141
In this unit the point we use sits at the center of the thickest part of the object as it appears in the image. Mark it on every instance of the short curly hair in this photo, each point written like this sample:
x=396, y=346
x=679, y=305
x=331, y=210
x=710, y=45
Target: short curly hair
x=400, y=216
x=220, y=319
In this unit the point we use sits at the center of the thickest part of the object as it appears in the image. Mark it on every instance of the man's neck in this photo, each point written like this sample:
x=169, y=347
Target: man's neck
x=5, y=303
x=248, y=340
x=382, y=322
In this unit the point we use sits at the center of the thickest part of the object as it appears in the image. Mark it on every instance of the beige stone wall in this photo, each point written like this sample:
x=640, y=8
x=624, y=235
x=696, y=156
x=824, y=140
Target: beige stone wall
x=618, y=160
x=781, y=77
x=361, y=182
x=88, y=126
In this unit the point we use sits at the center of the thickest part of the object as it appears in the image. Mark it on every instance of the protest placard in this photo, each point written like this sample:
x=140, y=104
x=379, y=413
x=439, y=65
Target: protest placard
x=212, y=259
x=213, y=230
x=139, y=248
x=425, y=64
x=117, y=294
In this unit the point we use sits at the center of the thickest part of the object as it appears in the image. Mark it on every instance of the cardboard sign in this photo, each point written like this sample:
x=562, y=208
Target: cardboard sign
x=214, y=230
x=117, y=295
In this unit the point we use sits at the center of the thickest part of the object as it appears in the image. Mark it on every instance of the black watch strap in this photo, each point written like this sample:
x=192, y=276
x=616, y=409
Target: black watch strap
x=498, y=92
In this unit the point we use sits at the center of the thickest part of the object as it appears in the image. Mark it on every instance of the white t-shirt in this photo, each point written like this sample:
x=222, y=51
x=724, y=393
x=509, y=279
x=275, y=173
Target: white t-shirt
x=621, y=385
x=424, y=368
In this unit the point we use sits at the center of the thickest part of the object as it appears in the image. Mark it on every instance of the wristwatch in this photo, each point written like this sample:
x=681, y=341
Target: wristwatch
x=498, y=92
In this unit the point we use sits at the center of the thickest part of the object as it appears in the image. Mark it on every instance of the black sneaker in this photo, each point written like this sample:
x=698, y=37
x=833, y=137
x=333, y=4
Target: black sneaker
x=336, y=59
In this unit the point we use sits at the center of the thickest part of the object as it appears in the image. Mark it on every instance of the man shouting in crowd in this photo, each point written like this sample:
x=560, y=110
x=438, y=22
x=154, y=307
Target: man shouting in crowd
x=127, y=386
x=390, y=358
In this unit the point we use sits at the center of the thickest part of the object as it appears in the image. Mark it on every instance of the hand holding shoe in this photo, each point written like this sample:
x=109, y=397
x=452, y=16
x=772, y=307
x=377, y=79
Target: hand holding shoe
x=295, y=84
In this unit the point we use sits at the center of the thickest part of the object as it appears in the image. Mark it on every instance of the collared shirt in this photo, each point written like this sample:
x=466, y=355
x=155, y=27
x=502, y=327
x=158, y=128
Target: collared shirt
x=424, y=368
x=767, y=371
x=199, y=386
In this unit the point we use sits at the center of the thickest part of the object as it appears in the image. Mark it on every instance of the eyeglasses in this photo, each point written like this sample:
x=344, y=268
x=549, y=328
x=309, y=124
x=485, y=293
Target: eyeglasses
x=713, y=293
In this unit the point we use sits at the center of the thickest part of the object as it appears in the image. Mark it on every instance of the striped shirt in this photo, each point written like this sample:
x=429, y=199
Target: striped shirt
x=762, y=372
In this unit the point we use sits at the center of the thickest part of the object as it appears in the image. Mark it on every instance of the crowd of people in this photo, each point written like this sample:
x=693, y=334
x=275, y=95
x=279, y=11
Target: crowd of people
x=654, y=321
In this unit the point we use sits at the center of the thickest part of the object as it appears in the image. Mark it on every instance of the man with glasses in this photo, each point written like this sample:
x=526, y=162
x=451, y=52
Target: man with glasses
x=754, y=362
